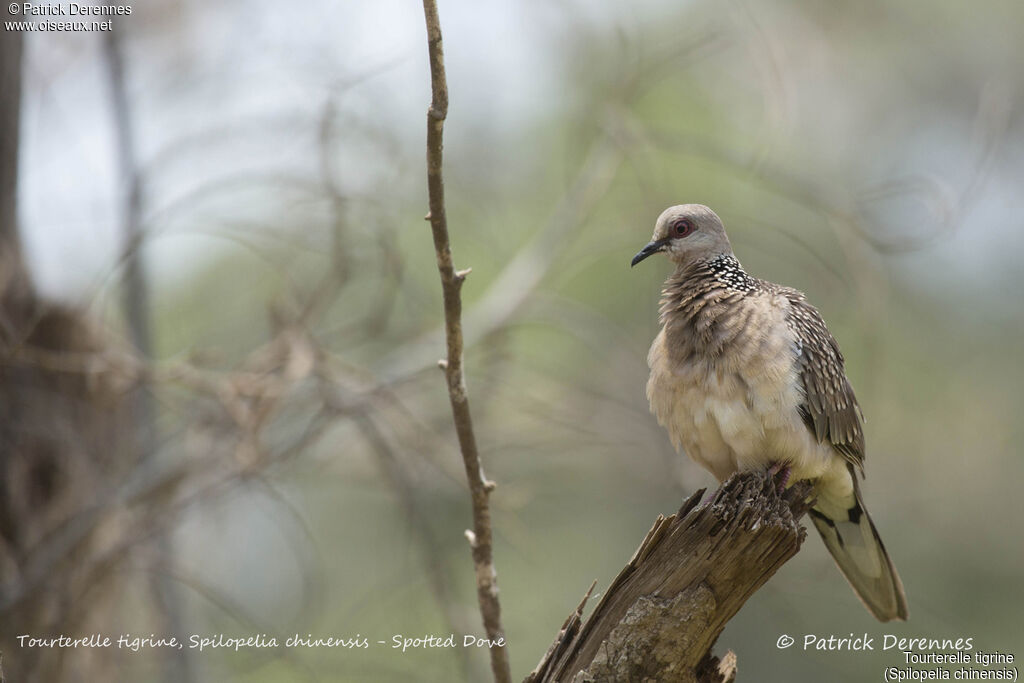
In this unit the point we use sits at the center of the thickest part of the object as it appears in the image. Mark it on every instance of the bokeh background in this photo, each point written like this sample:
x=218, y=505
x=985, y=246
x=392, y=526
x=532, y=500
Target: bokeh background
x=254, y=173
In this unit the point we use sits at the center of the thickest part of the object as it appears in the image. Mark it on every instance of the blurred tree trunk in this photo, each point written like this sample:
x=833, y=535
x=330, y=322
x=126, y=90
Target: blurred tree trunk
x=14, y=284
x=60, y=422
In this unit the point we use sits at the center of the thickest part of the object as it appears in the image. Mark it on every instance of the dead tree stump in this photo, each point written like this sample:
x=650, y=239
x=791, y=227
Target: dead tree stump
x=661, y=616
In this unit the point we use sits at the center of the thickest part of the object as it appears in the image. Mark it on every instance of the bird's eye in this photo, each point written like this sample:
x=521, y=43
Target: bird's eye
x=682, y=227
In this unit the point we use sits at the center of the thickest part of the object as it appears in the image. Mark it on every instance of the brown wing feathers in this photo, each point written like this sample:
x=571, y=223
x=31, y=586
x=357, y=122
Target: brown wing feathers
x=830, y=408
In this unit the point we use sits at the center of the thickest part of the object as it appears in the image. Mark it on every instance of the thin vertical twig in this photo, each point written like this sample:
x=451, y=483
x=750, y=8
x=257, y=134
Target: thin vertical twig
x=451, y=285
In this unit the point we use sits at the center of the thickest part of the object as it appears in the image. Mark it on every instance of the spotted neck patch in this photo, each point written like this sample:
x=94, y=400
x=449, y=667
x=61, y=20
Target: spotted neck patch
x=725, y=269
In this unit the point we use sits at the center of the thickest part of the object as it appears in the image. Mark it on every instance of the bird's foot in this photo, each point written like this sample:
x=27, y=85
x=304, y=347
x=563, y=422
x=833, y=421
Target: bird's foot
x=780, y=471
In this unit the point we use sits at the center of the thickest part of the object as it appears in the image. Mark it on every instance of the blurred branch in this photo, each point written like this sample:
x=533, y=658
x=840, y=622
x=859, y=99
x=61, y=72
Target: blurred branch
x=662, y=614
x=451, y=285
x=136, y=294
x=518, y=281
x=10, y=117
x=409, y=500
x=135, y=288
x=245, y=400
x=15, y=285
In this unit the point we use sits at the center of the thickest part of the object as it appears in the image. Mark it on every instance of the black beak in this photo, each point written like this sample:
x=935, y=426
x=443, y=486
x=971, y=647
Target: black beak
x=650, y=248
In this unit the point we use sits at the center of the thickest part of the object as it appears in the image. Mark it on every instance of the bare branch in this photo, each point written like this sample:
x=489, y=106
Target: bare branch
x=520, y=278
x=451, y=285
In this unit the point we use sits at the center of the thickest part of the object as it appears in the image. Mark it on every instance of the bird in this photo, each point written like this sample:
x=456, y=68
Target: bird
x=745, y=375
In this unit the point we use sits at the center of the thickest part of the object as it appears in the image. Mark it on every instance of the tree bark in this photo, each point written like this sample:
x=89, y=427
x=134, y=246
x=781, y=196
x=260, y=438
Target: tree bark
x=663, y=613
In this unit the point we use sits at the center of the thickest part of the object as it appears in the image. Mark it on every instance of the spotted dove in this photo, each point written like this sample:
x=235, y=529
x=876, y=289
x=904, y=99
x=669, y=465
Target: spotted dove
x=745, y=375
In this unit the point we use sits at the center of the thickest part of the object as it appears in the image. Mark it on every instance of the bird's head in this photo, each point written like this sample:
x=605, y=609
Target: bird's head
x=686, y=233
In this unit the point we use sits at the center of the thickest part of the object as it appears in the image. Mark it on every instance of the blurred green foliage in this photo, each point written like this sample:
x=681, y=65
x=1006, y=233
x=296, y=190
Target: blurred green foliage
x=781, y=117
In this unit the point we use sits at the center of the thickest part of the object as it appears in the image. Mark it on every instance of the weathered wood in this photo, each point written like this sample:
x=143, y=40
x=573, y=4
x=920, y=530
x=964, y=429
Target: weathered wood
x=663, y=613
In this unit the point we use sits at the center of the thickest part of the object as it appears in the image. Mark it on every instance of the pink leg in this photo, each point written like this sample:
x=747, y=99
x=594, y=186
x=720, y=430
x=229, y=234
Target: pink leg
x=781, y=471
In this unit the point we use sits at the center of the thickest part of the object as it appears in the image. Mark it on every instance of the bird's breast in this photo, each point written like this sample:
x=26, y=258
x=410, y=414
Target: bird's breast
x=731, y=398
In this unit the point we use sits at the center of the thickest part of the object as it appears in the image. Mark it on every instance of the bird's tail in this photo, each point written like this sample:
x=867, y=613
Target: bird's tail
x=851, y=537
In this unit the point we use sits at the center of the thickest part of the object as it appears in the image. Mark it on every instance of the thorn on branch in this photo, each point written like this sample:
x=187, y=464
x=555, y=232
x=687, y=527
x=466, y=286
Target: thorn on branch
x=460, y=275
x=443, y=364
x=489, y=485
x=428, y=216
x=451, y=281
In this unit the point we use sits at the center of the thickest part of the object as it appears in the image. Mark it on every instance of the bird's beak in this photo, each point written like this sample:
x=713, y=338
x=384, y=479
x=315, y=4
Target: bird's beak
x=650, y=248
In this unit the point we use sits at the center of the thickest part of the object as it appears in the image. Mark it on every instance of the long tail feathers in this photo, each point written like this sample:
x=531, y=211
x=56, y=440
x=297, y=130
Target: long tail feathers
x=858, y=551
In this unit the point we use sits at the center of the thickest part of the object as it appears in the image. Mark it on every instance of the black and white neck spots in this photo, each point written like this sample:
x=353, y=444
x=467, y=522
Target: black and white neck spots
x=725, y=269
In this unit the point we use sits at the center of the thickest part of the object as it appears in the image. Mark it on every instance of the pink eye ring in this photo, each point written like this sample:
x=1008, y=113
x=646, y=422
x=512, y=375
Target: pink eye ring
x=682, y=227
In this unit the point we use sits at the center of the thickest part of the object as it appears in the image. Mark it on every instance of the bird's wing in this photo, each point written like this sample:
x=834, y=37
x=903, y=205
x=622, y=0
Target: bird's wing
x=830, y=409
